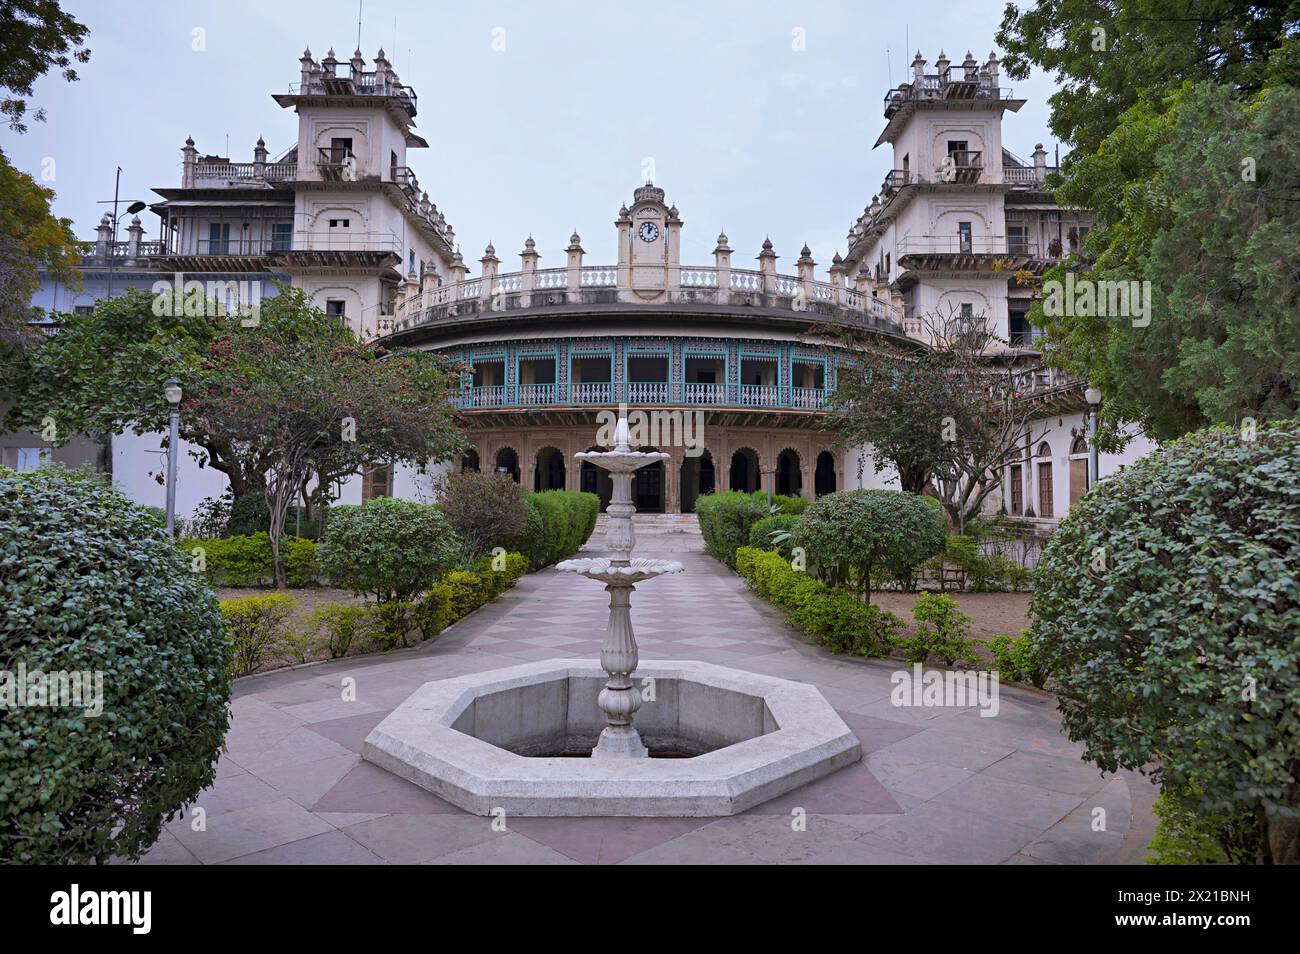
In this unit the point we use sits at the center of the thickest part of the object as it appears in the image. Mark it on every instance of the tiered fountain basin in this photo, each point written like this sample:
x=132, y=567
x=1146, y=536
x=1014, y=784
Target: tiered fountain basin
x=520, y=739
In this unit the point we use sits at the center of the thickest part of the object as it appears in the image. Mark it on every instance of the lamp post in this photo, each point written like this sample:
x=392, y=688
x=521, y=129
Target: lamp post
x=172, y=391
x=1093, y=397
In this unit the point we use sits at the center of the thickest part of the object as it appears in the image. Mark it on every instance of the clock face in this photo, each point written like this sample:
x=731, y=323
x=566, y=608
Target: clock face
x=648, y=231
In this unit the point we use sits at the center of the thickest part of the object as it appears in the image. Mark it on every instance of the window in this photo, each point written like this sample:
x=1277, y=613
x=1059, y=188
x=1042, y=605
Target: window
x=218, y=238
x=83, y=309
x=30, y=458
x=1022, y=335
x=336, y=307
x=281, y=236
x=967, y=311
x=1017, y=239
x=964, y=236
x=340, y=149
x=376, y=481
x=1078, y=469
x=1017, y=490
x=1045, y=508
x=340, y=223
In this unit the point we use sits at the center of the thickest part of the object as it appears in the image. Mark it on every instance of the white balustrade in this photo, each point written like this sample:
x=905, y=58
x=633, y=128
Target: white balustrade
x=643, y=392
x=590, y=392
x=807, y=398
x=492, y=396
x=537, y=394
x=696, y=393
x=599, y=277
x=758, y=395
x=552, y=278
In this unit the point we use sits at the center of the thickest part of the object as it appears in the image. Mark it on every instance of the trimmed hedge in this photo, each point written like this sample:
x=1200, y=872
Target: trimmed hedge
x=256, y=627
x=559, y=522
x=89, y=582
x=246, y=560
x=726, y=520
x=830, y=617
x=387, y=548
x=761, y=533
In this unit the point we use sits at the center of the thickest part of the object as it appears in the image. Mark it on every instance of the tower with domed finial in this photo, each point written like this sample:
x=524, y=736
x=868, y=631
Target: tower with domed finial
x=649, y=246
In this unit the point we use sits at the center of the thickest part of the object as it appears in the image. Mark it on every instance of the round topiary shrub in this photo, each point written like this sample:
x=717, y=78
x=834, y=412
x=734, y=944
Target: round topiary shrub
x=850, y=534
x=774, y=533
x=1167, y=607
x=387, y=548
x=113, y=672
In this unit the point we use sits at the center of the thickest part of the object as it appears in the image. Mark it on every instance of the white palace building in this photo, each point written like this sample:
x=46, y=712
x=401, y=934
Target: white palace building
x=342, y=216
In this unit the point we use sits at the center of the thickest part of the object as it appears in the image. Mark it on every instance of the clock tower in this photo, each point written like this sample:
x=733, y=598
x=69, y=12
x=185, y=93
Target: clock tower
x=649, y=244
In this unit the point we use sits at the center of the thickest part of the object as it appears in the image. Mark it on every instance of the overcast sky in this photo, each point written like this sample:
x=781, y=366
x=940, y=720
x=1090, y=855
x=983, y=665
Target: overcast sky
x=549, y=133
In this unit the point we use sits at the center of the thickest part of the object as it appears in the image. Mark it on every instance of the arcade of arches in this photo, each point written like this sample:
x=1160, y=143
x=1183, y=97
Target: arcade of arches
x=793, y=462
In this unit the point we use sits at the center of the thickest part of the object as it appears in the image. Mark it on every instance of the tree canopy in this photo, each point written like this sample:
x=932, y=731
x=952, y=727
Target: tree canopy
x=35, y=37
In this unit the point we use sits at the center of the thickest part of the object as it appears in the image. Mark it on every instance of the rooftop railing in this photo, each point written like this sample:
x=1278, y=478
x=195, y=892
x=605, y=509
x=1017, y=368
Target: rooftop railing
x=689, y=285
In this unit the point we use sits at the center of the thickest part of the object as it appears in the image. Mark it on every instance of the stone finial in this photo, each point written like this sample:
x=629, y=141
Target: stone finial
x=529, y=244
x=306, y=55
x=575, y=241
x=767, y=243
x=489, y=252
x=189, y=143
x=722, y=243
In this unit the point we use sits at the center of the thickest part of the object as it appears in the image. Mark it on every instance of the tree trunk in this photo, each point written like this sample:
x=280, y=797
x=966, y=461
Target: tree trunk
x=1283, y=836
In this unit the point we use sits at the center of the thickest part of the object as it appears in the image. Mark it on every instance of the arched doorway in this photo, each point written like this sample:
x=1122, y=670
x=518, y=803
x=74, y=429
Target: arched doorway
x=789, y=479
x=595, y=480
x=824, y=476
x=697, y=479
x=648, y=486
x=744, y=471
x=548, y=469
x=508, y=462
x=469, y=462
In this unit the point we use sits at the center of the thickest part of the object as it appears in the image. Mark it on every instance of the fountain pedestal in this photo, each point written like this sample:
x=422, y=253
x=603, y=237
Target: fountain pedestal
x=620, y=698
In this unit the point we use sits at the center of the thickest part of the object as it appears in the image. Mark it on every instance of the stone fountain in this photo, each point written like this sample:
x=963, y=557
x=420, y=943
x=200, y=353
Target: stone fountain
x=506, y=739
x=619, y=700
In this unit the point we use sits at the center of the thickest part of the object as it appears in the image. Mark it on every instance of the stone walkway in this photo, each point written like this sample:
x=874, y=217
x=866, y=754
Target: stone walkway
x=935, y=786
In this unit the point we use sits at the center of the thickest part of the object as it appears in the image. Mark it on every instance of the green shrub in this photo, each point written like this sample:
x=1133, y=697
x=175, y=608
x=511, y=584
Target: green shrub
x=467, y=592
x=388, y=548
x=515, y=566
x=256, y=626
x=1018, y=659
x=433, y=611
x=486, y=509
x=394, y=623
x=726, y=521
x=849, y=534
x=774, y=533
x=560, y=521
x=1167, y=606
x=249, y=514
x=246, y=561
x=1185, y=838
x=89, y=583
x=941, y=631
x=832, y=618
x=338, y=627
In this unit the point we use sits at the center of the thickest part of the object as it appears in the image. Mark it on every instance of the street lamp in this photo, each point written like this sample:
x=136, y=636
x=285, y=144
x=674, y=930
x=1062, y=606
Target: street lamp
x=1093, y=397
x=172, y=391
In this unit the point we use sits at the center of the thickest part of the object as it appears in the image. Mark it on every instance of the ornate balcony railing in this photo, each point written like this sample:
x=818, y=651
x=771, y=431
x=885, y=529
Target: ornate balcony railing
x=641, y=393
x=647, y=392
x=537, y=394
x=588, y=392
x=954, y=83
x=696, y=393
x=247, y=171
x=758, y=395
x=811, y=399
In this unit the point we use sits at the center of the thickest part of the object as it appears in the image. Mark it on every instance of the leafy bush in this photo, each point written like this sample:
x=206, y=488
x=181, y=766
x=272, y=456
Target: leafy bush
x=942, y=631
x=1167, y=606
x=1018, y=659
x=485, y=509
x=560, y=522
x=338, y=627
x=391, y=549
x=1184, y=838
x=850, y=533
x=210, y=517
x=833, y=618
x=90, y=583
x=246, y=561
x=394, y=623
x=256, y=626
x=726, y=521
x=514, y=565
x=773, y=533
x=432, y=612
x=249, y=514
